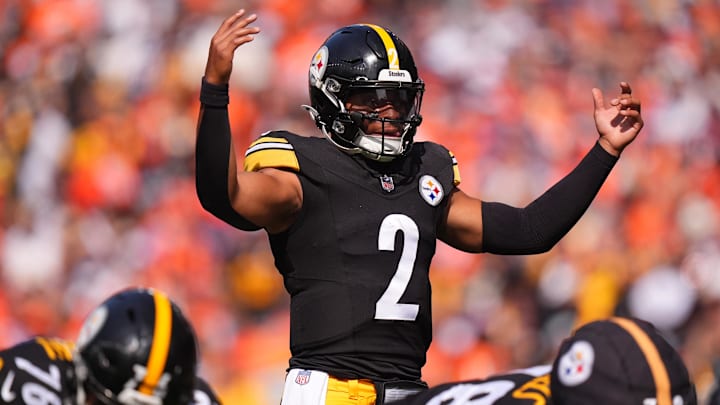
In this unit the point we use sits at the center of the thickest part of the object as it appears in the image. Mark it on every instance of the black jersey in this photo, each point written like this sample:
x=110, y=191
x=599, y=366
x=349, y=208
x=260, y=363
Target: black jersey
x=40, y=371
x=521, y=387
x=356, y=260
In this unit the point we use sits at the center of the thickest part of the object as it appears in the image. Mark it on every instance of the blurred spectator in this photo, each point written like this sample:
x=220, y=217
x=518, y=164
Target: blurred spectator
x=97, y=111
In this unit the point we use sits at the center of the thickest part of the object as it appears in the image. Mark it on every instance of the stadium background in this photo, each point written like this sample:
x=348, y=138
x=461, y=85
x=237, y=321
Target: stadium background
x=98, y=105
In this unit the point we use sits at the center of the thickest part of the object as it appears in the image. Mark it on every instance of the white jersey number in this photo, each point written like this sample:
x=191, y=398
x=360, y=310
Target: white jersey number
x=33, y=393
x=485, y=393
x=388, y=306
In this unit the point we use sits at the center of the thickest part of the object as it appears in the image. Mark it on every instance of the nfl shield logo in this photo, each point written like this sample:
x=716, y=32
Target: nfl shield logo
x=387, y=183
x=303, y=377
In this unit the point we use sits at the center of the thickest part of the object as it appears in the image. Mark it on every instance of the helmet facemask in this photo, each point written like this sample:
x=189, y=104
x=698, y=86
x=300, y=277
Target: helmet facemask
x=360, y=101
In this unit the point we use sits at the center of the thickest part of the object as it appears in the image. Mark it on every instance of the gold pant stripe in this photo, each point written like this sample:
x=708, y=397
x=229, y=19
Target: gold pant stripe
x=350, y=392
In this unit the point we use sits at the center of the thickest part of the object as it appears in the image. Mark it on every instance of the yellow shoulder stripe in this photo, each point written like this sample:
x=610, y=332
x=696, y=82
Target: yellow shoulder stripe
x=456, y=169
x=270, y=152
x=56, y=348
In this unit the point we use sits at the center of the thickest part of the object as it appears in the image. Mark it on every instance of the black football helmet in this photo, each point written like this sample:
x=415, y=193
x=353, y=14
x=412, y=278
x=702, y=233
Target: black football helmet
x=372, y=62
x=137, y=348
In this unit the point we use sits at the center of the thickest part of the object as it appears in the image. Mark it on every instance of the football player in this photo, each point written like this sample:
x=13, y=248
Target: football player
x=353, y=217
x=136, y=348
x=616, y=361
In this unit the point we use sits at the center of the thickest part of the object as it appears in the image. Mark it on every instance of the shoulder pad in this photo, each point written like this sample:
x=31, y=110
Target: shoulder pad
x=271, y=151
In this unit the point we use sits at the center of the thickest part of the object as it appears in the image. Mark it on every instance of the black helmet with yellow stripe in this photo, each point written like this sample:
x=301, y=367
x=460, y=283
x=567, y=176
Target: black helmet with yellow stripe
x=137, y=348
x=620, y=361
x=371, y=62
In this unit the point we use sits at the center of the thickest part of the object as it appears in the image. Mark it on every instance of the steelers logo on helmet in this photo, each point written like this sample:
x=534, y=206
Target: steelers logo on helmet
x=365, y=93
x=318, y=66
x=576, y=365
x=92, y=325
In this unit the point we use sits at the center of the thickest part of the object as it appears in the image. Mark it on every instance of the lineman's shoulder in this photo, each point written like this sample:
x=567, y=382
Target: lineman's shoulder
x=521, y=387
x=41, y=367
x=40, y=349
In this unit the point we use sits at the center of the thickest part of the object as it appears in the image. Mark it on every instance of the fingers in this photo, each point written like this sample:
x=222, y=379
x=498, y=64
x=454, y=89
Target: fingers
x=598, y=98
x=625, y=101
x=628, y=107
x=625, y=88
x=235, y=28
x=233, y=32
x=231, y=20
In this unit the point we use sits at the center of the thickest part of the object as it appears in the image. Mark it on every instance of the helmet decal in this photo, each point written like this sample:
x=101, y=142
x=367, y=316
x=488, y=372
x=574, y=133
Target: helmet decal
x=160, y=343
x=92, y=325
x=393, y=73
x=318, y=66
x=576, y=365
x=392, y=53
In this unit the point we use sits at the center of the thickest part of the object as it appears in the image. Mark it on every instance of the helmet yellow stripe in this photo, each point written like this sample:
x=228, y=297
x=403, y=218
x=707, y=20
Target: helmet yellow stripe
x=649, y=350
x=393, y=59
x=160, y=344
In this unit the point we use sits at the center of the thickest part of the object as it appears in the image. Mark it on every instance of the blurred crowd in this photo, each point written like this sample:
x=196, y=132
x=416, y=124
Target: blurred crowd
x=98, y=107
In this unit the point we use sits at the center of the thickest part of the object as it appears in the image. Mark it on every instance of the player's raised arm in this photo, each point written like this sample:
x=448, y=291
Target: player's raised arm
x=481, y=226
x=248, y=201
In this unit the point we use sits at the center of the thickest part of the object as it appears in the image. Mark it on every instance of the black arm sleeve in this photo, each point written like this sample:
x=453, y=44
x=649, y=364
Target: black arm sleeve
x=539, y=226
x=212, y=153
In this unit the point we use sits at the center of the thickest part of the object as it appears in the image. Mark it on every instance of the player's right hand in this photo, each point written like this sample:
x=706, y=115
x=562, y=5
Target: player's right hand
x=233, y=32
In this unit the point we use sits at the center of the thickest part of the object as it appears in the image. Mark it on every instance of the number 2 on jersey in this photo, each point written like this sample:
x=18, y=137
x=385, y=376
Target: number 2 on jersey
x=388, y=306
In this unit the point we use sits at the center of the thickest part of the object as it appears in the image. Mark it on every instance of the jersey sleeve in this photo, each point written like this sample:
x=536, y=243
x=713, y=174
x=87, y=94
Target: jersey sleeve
x=40, y=350
x=271, y=151
x=39, y=370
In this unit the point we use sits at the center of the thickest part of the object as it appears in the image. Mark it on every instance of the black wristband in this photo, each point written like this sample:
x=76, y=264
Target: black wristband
x=214, y=95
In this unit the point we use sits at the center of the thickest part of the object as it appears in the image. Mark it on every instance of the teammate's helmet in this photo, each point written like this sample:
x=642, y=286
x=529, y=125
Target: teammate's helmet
x=620, y=361
x=137, y=348
x=371, y=60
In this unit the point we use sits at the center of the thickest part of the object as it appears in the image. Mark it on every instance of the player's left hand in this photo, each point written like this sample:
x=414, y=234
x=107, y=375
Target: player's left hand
x=618, y=122
x=232, y=33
